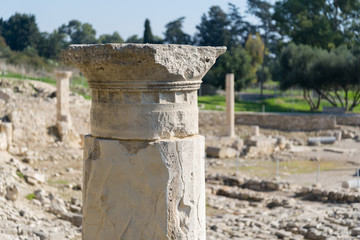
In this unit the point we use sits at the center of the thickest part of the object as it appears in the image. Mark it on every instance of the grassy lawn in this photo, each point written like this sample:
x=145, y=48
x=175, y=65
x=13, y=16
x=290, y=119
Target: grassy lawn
x=19, y=76
x=279, y=104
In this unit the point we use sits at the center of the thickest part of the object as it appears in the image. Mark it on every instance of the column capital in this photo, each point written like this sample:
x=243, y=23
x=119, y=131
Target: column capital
x=143, y=91
x=63, y=74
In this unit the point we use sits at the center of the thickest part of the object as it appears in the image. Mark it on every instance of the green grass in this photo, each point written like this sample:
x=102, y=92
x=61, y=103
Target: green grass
x=19, y=76
x=20, y=175
x=59, y=182
x=30, y=196
x=267, y=169
x=279, y=104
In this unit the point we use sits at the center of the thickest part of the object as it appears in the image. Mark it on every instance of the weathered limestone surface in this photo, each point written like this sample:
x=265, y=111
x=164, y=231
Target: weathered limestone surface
x=144, y=160
x=156, y=82
x=144, y=189
x=230, y=105
x=62, y=96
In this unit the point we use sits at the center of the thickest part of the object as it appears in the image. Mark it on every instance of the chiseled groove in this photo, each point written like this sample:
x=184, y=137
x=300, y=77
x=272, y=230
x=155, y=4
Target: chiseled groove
x=146, y=86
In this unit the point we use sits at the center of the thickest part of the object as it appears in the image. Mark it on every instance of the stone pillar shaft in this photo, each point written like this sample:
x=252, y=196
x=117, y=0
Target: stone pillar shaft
x=230, y=105
x=144, y=160
x=62, y=96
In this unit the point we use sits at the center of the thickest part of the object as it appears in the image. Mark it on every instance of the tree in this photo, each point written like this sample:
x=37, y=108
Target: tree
x=236, y=61
x=336, y=71
x=214, y=29
x=333, y=75
x=134, y=39
x=174, y=33
x=50, y=45
x=20, y=31
x=239, y=28
x=294, y=69
x=256, y=49
x=79, y=33
x=263, y=11
x=148, y=37
x=320, y=23
x=114, y=38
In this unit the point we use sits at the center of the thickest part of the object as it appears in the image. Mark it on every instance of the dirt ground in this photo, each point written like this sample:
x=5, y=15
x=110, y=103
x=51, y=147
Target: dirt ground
x=32, y=109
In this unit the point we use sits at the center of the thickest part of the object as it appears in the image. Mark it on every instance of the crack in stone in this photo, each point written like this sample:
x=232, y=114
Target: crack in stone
x=125, y=228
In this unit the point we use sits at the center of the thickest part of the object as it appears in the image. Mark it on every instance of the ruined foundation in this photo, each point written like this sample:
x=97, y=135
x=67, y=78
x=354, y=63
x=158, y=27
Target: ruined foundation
x=144, y=160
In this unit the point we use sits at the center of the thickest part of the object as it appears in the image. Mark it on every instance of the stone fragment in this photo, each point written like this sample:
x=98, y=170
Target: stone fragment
x=12, y=193
x=355, y=232
x=256, y=130
x=32, y=177
x=223, y=152
x=58, y=207
x=314, y=141
x=74, y=218
x=352, y=183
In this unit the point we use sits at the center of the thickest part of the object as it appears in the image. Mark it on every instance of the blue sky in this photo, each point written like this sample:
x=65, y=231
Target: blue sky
x=107, y=16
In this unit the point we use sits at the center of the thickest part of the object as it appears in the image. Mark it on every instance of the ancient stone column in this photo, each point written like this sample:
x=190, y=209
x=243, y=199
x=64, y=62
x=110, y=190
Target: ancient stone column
x=230, y=105
x=62, y=96
x=144, y=160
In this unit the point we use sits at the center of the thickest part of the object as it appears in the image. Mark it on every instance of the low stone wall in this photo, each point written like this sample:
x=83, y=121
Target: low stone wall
x=348, y=119
x=287, y=121
x=282, y=121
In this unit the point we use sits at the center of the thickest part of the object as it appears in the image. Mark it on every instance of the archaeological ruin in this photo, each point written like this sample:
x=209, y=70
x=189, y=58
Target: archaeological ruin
x=144, y=160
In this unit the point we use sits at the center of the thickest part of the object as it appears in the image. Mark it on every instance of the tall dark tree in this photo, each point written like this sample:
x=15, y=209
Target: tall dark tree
x=21, y=31
x=239, y=28
x=148, y=36
x=79, y=33
x=214, y=29
x=174, y=33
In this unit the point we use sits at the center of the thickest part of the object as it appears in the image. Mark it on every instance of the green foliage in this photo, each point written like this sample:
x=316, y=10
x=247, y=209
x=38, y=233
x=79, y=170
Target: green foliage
x=148, y=37
x=79, y=33
x=236, y=60
x=114, y=38
x=134, y=39
x=20, y=31
x=50, y=45
x=333, y=75
x=239, y=28
x=214, y=28
x=28, y=57
x=174, y=33
x=255, y=47
x=20, y=175
x=30, y=196
x=319, y=23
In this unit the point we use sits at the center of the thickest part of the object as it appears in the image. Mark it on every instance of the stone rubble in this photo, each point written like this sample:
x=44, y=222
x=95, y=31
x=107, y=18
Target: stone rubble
x=50, y=209
x=241, y=213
